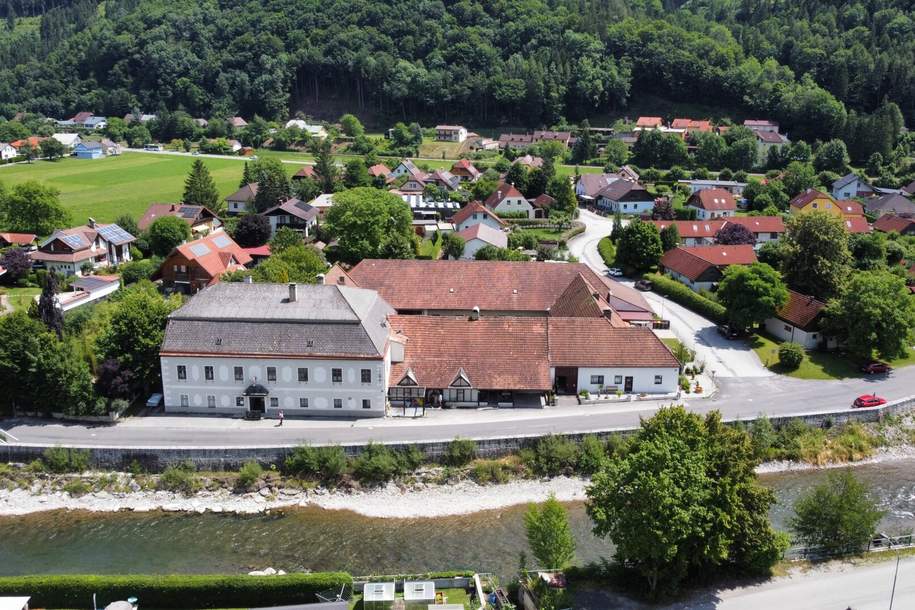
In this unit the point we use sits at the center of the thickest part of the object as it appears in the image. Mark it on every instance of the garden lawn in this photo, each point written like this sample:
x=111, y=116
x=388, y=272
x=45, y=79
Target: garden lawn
x=20, y=298
x=816, y=364
x=108, y=187
x=551, y=235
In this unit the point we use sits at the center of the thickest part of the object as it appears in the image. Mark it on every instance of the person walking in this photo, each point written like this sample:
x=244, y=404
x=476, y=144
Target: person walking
x=280, y=415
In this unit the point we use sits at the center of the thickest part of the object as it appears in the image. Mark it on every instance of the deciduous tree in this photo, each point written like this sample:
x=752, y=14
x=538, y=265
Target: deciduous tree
x=167, y=232
x=816, y=259
x=252, y=230
x=751, y=293
x=364, y=220
x=32, y=207
x=549, y=535
x=639, y=246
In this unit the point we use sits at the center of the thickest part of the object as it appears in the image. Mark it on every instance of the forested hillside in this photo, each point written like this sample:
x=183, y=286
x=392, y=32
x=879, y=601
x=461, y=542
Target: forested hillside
x=805, y=63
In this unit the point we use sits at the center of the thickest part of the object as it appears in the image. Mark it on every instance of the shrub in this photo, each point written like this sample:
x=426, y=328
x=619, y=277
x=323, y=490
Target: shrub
x=553, y=456
x=790, y=355
x=63, y=459
x=681, y=294
x=249, y=473
x=591, y=455
x=323, y=463
x=175, y=591
x=460, y=452
x=179, y=479
x=376, y=464
x=490, y=471
x=607, y=251
x=76, y=487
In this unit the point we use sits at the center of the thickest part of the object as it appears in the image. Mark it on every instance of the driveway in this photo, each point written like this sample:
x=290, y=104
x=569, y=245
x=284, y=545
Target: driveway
x=724, y=358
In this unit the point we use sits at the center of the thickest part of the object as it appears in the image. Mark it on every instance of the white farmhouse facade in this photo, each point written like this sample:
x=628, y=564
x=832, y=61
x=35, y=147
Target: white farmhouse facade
x=657, y=380
x=7, y=152
x=309, y=351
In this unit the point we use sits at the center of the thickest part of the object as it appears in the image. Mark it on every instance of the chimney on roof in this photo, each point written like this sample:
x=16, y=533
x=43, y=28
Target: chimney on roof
x=320, y=277
x=475, y=313
x=293, y=292
x=91, y=222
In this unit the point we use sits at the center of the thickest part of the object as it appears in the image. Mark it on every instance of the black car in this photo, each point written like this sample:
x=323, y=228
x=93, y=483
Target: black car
x=644, y=285
x=729, y=333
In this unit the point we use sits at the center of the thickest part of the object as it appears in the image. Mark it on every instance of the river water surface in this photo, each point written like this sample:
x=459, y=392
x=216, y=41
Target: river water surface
x=316, y=539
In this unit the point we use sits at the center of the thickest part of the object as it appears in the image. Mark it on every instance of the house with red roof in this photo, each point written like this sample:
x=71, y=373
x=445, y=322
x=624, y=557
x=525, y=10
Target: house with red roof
x=506, y=199
x=701, y=267
x=22, y=240
x=850, y=207
x=649, y=122
x=306, y=171
x=475, y=213
x=465, y=171
x=197, y=264
x=765, y=228
x=691, y=125
x=201, y=219
x=693, y=232
x=888, y=223
x=712, y=203
x=90, y=246
x=857, y=224
x=380, y=170
x=798, y=320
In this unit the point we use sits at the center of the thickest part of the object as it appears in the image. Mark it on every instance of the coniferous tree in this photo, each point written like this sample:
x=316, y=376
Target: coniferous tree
x=245, y=176
x=48, y=310
x=199, y=187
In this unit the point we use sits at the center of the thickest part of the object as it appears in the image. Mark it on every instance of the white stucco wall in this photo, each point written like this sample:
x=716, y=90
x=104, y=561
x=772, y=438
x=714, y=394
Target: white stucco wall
x=319, y=389
x=515, y=204
x=478, y=218
x=626, y=207
x=643, y=379
x=787, y=332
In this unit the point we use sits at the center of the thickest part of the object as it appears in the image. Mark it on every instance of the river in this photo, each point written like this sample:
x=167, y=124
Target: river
x=316, y=539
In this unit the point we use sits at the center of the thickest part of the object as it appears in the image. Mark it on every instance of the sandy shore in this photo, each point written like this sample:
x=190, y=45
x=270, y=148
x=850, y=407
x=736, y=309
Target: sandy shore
x=390, y=501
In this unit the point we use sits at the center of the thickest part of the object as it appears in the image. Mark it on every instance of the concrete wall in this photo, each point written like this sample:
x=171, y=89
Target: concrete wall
x=157, y=458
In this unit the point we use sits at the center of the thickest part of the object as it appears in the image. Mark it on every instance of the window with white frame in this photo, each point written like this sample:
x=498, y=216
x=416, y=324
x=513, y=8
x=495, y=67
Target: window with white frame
x=366, y=403
x=336, y=375
x=366, y=375
x=239, y=401
x=617, y=379
x=597, y=380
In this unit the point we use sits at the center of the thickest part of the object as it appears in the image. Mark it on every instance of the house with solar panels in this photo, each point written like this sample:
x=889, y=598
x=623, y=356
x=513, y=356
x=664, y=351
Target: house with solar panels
x=201, y=219
x=197, y=264
x=81, y=250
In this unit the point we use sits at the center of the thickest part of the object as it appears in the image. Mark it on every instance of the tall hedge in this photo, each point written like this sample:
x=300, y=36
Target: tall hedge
x=682, y=294
x=173, y=591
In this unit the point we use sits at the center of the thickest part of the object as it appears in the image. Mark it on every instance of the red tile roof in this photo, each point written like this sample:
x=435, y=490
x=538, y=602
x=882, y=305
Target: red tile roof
x=760, y=224
x=692, y=262
x=885, y=223
x=807, y=196
x=496, y=286
x=800, y=310
x=713, y=200
x=474, y=207
x=502, y=192
x=466, y=166
x=215, y=253
x=691, y=125
x=543, y=201
x=306, y=171
x=857, y=224
x=696, y=229
x=593, y=342
x=188, y=213
x=850, y=207
x=648, y=121
x=21, y=239
x=379, y=169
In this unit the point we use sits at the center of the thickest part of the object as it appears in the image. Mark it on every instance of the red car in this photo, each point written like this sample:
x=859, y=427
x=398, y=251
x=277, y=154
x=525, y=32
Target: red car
x=875, y=368
x=869, y=400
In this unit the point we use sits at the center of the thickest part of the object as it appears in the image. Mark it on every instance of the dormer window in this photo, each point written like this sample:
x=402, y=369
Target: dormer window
x=461, y=380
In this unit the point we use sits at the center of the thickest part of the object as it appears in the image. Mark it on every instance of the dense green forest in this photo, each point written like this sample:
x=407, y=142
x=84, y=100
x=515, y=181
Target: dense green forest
x=820, y=68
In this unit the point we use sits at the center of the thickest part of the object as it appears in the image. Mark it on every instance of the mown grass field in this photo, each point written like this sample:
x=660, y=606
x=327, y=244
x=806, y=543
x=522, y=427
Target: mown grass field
x=108, y=187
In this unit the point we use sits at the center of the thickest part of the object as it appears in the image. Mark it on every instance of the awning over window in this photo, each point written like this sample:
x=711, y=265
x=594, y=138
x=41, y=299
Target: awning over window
x=256, y=389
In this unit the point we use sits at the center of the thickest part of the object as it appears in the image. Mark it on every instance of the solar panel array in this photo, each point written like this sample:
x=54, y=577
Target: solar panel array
x=115, y=234
x=75, y=241
x=189, y=211
x=303, y=206
x=222, y=241
x=200, y=249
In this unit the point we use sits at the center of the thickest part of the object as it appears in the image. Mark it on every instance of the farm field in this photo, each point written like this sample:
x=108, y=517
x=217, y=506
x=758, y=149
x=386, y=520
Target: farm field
x=108, y=187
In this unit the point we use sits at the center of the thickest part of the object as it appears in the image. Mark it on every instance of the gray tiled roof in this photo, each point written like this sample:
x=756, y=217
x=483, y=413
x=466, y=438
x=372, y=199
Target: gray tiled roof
x=260, y=319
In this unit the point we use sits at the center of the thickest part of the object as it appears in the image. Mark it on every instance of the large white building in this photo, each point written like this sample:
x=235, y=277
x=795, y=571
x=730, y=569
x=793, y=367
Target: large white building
x=310, y=351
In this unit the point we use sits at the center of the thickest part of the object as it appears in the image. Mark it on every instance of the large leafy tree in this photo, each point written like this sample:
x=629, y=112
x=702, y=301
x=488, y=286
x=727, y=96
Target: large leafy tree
x=733, y=234
x=684, y=500
x=639, y=246
x=875, y=314
x=200, y=188
x=831, y=156
x=366, y=221
x=135, y=331
x=670, y=237
x=751, y=293
x=167, y=232
x=837, y=516
x=17, y=263
x=549, y=534
x=252, y=230
x=272, y=183
x=32, y=207
x=816, y=259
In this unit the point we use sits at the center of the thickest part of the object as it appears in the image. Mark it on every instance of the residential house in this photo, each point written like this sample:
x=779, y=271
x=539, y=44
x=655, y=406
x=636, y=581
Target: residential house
x=258, y=254
x=813, y=200
x=529, y=161
x=294, y=214
x=625, y=197
x=712, y=203
x=850, y=186
x=761, y=125
x=563, y=137
x=701, y=267
x=194, y=265
x=314, y=130
x=88, y=289
x=480, y=235
x=380, y=170
x=856, y=224
x=80, y=118
x=21, y=240
x=891, y=204
x=691, y=125
x=506, y=199
x=627, y=173
x=850, y=208
x=542, y=204
x=649, y=122
x=766, y=140
x=234, y=145
x=909, y=189
x=408, y=168
x=497, y=288
x=476, y=213
x=308, y=350
x=241, y=200
x=480, y=143
x=202, y=220
x=798, y=320
x=69, y=140
x=590, y=185
x=765, y=228
x=888, y=223
x=93, y=245
x=450, y=133
x=237, y=122
x=443, y=179
x=7, y=151
x=110, y=148
x=465, y=171
x=306, y=171
x=322, y=203
x=142, y=119
x=518, y=141
x=89, y=150
x=732, y=186
x=33, y=141
x=96, y=122
x=693, y=232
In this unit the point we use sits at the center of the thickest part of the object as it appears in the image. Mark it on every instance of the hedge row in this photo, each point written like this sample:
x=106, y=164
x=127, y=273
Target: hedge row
x=690, y=299
x=607, y=251
x=174, y=591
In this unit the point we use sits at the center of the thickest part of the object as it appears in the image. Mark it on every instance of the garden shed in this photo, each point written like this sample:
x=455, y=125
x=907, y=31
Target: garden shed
x=418, y=594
